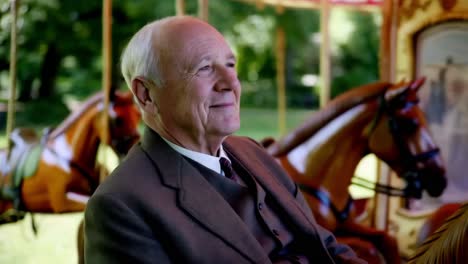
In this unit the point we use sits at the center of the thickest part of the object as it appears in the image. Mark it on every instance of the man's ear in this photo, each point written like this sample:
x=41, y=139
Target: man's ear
x=142, y=93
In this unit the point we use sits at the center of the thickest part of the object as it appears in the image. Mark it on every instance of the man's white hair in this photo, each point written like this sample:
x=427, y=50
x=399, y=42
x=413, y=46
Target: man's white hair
x=141, y=57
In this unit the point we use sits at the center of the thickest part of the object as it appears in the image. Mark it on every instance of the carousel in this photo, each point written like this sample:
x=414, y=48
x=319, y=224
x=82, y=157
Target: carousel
x=414, y=120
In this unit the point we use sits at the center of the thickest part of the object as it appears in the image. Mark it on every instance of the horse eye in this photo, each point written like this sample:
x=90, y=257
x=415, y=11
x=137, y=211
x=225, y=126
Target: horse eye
x=399, y=102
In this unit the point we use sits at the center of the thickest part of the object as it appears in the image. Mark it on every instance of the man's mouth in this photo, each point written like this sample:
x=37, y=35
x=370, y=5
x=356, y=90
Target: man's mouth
x=221, y=105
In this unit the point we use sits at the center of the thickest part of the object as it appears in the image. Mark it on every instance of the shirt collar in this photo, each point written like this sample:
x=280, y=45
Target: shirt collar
x=211, y=162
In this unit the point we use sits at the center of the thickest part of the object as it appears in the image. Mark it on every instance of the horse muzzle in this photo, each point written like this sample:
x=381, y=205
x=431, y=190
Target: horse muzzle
x=431, y=179
x=434, y=181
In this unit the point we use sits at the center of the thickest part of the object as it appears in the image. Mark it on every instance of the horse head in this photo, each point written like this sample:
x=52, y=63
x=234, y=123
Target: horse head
x=322, y=154
x=402, y=139
x=124, y=118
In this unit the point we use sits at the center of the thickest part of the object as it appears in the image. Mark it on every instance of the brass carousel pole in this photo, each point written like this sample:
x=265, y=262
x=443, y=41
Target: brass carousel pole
x=13, y=56
x=387, y=74
x=324, y=52
x=106, y=74
x=203, y=9
x=281, y=78
x=280, y=72
x=180, y=7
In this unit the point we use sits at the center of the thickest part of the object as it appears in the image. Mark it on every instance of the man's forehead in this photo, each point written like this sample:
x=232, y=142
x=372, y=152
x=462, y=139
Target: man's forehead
x=199, y=45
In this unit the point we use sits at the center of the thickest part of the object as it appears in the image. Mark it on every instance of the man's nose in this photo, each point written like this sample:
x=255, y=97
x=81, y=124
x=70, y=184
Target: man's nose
x=227, y=79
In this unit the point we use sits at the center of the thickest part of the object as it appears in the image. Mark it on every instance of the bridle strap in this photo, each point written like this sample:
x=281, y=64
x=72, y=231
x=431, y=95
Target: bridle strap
x=380, y=112
x=87, y=173
x=425, y=155
x=412, y=176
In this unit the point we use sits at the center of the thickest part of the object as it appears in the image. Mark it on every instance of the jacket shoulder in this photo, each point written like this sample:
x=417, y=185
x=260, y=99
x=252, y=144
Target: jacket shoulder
x=134, y=170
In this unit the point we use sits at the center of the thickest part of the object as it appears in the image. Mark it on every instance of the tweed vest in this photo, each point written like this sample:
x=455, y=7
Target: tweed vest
x=259, y=213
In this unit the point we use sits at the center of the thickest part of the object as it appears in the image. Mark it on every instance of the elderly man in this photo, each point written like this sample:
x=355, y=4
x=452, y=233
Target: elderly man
x=190, y=192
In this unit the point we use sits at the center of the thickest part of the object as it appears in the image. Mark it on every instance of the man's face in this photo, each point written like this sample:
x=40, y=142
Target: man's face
x=201, y=91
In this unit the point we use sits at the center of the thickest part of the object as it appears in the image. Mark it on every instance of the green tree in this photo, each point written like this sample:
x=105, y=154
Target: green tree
x=357, y=61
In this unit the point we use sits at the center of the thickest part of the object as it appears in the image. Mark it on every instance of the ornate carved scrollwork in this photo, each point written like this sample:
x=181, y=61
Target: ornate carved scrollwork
x=447, y=5
x=408, y=8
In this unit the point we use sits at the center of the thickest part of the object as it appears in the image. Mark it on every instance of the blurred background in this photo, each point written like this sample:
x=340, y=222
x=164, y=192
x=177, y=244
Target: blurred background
x=60, y=47
x=60, y=64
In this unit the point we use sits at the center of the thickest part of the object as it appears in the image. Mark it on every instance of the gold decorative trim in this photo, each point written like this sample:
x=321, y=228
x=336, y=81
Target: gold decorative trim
x=408, y=10
x=406, y=38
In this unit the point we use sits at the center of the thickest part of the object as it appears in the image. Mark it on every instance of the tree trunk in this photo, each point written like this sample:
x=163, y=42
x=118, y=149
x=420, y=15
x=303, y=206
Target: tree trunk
x=25, y=91
x=49, y=71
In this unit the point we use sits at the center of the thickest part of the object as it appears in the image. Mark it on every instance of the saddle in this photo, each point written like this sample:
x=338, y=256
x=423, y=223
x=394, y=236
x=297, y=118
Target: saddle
x=22, y=162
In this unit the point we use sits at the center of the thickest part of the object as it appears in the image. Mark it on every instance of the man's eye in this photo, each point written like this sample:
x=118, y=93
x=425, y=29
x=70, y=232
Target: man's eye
x=205, y=71
x=231, y=64
x=205, y=68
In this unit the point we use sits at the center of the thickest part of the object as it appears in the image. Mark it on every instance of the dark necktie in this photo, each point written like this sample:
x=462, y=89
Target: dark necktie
x=227, y=168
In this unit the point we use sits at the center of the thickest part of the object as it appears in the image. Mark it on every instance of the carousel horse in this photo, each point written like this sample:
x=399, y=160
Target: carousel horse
x=321, y=156
x=448, y=244
x=50, y=173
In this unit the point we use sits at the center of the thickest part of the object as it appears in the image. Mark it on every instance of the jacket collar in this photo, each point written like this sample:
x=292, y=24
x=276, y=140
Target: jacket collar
x=199, y=199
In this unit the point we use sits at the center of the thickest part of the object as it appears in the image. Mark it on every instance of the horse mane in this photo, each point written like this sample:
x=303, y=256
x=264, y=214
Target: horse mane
x=334, y=108
x=449, y=242
x=71, y=119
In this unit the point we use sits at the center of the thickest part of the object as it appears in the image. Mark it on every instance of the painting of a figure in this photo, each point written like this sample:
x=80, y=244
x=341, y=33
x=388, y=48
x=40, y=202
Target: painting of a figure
x=441, y=57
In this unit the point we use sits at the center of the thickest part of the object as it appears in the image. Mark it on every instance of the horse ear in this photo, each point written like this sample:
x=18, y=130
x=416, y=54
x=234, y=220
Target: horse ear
x=417, y=83
x=395, y=92
x=121, y=97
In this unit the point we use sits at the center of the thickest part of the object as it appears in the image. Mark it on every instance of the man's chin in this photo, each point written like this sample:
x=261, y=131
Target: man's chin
x=228, y=130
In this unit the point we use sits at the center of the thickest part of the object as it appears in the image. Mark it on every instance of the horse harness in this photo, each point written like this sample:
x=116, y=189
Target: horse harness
x=399, y=126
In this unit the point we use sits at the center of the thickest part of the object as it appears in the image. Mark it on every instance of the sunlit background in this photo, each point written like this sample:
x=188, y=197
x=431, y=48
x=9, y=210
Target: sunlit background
x=59, y=65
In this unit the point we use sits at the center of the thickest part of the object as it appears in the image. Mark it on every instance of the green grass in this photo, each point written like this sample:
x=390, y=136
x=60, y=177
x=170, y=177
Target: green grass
x=260, y=123
x=56, y=239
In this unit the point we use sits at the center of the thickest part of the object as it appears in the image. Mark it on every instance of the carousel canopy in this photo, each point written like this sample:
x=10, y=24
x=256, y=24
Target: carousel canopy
x=313, y=4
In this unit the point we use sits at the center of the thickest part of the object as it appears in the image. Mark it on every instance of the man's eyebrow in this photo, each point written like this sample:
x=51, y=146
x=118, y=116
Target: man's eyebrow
x=205, y=58
x=231, y=56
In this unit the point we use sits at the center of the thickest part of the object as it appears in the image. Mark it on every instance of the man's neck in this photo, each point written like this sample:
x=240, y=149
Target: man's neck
x=190, y=142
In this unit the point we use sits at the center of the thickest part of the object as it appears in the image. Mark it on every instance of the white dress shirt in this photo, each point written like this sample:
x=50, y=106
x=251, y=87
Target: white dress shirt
x=211, y=162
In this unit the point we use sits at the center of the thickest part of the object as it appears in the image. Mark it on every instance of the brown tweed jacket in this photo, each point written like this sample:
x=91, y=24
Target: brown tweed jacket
x=157, y=208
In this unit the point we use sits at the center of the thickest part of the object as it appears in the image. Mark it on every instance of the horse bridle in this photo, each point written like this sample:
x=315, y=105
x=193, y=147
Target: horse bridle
x=412, y=176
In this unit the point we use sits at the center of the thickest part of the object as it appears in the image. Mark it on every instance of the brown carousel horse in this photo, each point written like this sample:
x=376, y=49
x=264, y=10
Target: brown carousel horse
x=45, y=174
x=322, y=155
x=449, y=243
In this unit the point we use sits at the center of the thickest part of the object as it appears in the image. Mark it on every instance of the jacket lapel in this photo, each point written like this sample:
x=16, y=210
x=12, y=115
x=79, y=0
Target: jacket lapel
x=263, y=174
x=199, y=199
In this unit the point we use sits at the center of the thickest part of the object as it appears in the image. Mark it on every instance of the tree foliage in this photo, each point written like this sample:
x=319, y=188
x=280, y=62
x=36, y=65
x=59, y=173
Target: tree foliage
x=60, y=47
x=357, y=61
